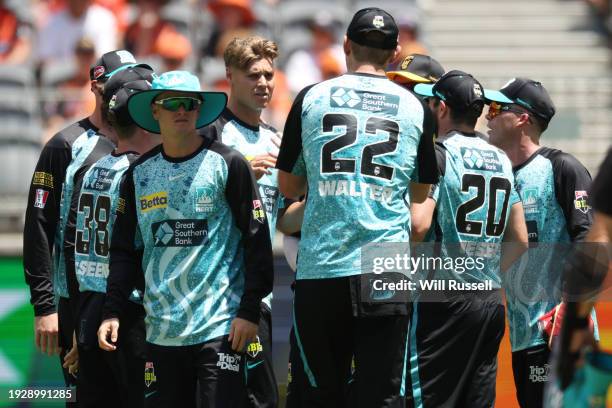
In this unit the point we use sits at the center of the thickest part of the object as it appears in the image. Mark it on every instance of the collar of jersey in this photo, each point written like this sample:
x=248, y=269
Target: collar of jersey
x=231, y=116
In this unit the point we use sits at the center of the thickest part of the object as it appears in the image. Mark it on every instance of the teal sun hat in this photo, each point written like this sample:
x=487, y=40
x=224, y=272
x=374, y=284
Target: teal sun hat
x=139, y=104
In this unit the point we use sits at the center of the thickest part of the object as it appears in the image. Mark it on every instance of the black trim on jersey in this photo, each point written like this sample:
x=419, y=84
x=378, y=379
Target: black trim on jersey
x=241, y=191
x=205, y=143
x=230, y=116
x=131, y=152
x=103, y=147
x=570, y=176
x=41, y=223
x=427, y=166
x=291, y=146
x=602, y=200
x=526, y=162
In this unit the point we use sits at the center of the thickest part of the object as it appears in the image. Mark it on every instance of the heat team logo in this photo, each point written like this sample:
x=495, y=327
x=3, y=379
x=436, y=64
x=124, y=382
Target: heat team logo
x=149, y=374
x=378, y=22
x=580, y=201
x=40, y=199
x=204, y=201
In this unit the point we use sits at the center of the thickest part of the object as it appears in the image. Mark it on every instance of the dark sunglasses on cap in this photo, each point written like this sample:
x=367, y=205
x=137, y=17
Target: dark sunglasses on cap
x=495, y=109
x=173, y=104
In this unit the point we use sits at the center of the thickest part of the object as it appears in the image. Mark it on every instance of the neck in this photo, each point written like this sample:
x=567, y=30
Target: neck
x=136, y=144
x=446, y=128
x=519, y=153
x=248, y=115
x=104, y=128
x=366, y=68
x=181, y=145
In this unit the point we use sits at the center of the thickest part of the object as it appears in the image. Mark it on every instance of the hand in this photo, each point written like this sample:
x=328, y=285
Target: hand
x=71, y=360
x=242, y=332
x=46, y=334
x=262, y=163
x=108, y=328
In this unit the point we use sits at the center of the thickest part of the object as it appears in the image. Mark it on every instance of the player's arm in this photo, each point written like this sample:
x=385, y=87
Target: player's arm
x=242, y=195
x=516, y=240
x=572, y=182
x=41, y=219
x=291, y=220
x=124, y=266
x=292, y=175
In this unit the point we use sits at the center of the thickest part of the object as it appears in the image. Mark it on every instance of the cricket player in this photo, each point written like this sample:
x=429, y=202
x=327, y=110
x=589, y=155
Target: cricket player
x=191, y=215
x=46, y=212
x=554, y=188
x=358, y=143
x=454, y=340
x=249, y=64
x=109, y=379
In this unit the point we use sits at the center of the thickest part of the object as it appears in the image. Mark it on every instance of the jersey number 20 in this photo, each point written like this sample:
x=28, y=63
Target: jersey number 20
x=493, y=229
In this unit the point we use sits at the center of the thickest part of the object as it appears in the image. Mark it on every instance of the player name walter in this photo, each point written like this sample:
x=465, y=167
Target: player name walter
x=432, y=285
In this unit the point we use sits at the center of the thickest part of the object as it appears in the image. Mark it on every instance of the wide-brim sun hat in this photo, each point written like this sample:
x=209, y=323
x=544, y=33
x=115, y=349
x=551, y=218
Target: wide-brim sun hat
x=139, y=104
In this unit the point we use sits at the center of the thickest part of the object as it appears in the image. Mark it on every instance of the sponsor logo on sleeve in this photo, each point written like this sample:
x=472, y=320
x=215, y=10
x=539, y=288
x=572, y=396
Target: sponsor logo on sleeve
x=258, y=211
x=154, y=201
x=40, y=198
x=43, y=179
x=121, y=205
x=180, y=233
x=254, y=348
x=364, y=100
x=580, y=201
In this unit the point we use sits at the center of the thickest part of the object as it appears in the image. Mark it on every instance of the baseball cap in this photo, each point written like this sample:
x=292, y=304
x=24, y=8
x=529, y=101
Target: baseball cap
x=129, y=74
x=112, y=62
x=529, y=94
x=369, y=20
x=456, y=88
x=139, y=104
x=118, y=103
x=417, y=68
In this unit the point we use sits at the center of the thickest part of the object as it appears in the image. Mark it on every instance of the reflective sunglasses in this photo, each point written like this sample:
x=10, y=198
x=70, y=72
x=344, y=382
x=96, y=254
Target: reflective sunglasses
x=173, y=104
x=495, y=109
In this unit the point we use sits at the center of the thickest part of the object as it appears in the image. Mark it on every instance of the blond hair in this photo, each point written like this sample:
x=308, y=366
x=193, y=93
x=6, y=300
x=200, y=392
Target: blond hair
x=242, y=52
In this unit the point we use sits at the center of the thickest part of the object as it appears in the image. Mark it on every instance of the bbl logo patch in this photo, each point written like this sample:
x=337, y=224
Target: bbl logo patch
x=149, y=374
x=580, y=202
x=154, y=201
x=254, y=348
x=258, y=211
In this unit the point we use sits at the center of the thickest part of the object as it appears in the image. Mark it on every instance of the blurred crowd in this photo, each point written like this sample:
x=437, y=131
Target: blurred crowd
x=60, y=39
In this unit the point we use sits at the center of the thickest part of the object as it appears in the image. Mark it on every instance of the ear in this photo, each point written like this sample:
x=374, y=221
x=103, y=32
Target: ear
x=155, y=111
x=523, y=119
x=228, y=74
x=346, y=46
x=396, y=53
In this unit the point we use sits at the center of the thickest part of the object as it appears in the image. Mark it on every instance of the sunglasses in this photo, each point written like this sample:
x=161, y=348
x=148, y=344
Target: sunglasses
x=495, y=109
x=174, y=104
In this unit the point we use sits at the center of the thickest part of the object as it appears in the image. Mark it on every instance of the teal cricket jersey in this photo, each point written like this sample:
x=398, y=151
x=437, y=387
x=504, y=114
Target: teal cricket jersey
x=86, y=150
x=359, y=139
x=553, y=187
x=252, y=141
x=206, y=252
x=473, y=201
x=95, y=218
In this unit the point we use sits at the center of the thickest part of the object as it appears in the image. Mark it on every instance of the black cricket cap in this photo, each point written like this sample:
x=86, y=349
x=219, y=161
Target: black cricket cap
x=121, y=86
x=457, y=89
x=531, y=95
x=417, y=68
x=112, y=62
x=370, y=20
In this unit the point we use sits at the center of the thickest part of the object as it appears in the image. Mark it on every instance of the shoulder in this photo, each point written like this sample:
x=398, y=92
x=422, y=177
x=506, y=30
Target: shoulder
x=66, y=137
x=562, y=162
x=143, y=158
x=229, y=155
